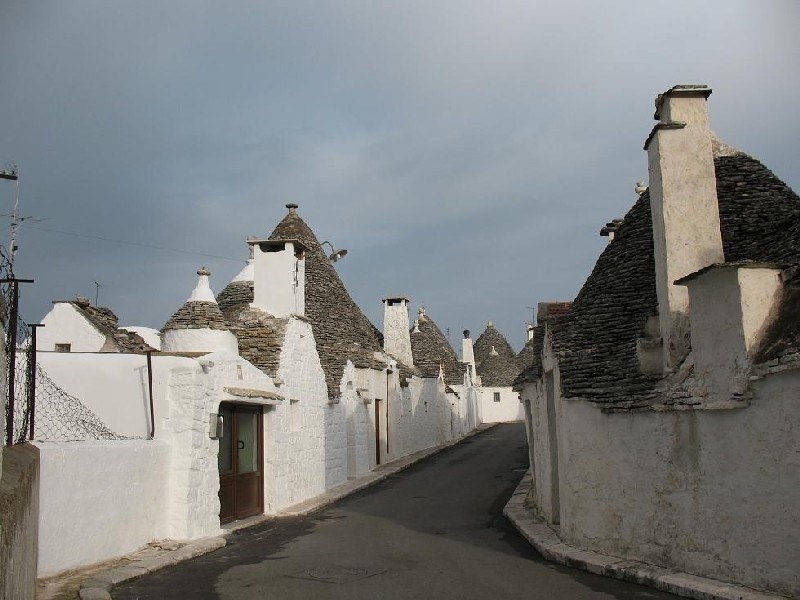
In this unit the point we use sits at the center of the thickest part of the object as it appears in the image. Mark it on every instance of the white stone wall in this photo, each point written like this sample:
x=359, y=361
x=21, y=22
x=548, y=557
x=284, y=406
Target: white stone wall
x=295, y=458
x=542, y=451
x=64, y=324
x=310, y=443
x=114, y=386
x=710, y=492
x=194, y=476
x=508, y=409
x=427, y=416
x=199, y=340
x=99, y=499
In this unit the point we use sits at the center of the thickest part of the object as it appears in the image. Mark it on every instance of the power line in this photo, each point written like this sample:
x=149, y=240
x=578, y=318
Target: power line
x=139, y=244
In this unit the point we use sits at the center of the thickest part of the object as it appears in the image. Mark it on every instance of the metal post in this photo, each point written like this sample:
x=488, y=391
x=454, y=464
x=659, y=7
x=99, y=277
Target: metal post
x=12, y=342
x=150, y=390
x=32, y=378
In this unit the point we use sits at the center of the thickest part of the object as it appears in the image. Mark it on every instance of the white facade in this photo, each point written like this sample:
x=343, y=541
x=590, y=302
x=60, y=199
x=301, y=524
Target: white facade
x=500, y=405
x=65, y=324
x=99, y=500
x=310, y=442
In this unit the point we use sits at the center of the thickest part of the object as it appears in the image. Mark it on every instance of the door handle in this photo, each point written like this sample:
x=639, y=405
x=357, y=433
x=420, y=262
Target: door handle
x=240, y=445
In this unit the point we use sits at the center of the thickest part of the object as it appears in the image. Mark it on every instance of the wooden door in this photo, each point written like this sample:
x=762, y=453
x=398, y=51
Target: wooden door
x=241, y=472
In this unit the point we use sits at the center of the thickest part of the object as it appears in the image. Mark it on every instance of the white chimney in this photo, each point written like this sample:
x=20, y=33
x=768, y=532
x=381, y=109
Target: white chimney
x=396, y=337
x=683, y=200
x=279, y=277
x=732, y=306
x=468, y=355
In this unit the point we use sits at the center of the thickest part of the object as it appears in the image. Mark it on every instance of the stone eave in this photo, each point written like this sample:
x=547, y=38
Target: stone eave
x=251, y=396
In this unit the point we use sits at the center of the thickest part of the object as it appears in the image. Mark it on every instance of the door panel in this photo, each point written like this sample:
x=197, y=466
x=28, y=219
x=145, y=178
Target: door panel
x=240, y=462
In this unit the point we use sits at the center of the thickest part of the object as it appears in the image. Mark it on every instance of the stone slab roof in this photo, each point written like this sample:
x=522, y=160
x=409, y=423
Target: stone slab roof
x=341, y=329
x=260, y=337
x=236, y=295
x=498, y=371
x=596, y=340
x=197, y=314
x=106, y=322
x=430, y=350
x=489, y=338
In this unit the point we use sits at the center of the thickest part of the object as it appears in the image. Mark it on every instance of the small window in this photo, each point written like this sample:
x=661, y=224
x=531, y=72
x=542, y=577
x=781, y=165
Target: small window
x=63, y=347
x=497, y=396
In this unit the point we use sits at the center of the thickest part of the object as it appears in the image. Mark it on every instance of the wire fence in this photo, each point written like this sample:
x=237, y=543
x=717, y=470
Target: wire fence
x=60, y=416
x=35, y=406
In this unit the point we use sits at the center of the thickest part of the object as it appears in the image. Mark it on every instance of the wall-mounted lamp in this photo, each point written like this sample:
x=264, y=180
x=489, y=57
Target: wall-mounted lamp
x=335, y=254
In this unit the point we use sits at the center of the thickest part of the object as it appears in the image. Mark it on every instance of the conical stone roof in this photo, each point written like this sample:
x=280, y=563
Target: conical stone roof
x=492, y=338
x=200, y=311
x=431, y=350
x=238, y=294
x=498, y=371
x=341, y=330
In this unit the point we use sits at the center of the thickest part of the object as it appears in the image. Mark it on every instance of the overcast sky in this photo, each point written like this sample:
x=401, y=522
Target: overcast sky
x=466, y=153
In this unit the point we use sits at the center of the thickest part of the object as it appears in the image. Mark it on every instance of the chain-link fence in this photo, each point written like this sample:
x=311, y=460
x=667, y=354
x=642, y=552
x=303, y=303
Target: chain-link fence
x=35, y=406
x=62, y=417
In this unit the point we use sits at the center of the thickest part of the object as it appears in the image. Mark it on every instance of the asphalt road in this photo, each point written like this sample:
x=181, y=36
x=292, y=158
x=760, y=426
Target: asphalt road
x=435, y=530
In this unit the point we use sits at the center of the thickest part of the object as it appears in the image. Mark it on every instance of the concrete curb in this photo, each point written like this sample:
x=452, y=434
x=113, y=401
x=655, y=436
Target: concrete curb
x=549, y=545
x=99, y=586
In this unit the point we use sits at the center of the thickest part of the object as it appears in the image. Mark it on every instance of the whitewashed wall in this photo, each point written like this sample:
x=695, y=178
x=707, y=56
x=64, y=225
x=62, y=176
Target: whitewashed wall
x=114, y=386
x=65, y=324
x=295, y=455
x=194, y=394
x=310, y=444
x=508, y=409
x=99, y=499
x=426, y=416
x=711, y=492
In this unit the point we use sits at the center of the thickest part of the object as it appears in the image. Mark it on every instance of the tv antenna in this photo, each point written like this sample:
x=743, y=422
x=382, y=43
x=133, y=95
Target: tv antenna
x=533, y=314
x=16, y=221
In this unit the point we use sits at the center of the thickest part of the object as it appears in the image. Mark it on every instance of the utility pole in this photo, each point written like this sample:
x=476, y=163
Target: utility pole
x=97, y=287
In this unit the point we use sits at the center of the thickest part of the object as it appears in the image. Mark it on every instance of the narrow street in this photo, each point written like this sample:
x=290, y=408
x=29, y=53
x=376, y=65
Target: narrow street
x=435, y=530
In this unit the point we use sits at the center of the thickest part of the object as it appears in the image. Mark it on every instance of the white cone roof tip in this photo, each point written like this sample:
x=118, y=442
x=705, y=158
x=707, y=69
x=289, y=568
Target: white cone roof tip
x=246, y=274
x=202, y=292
